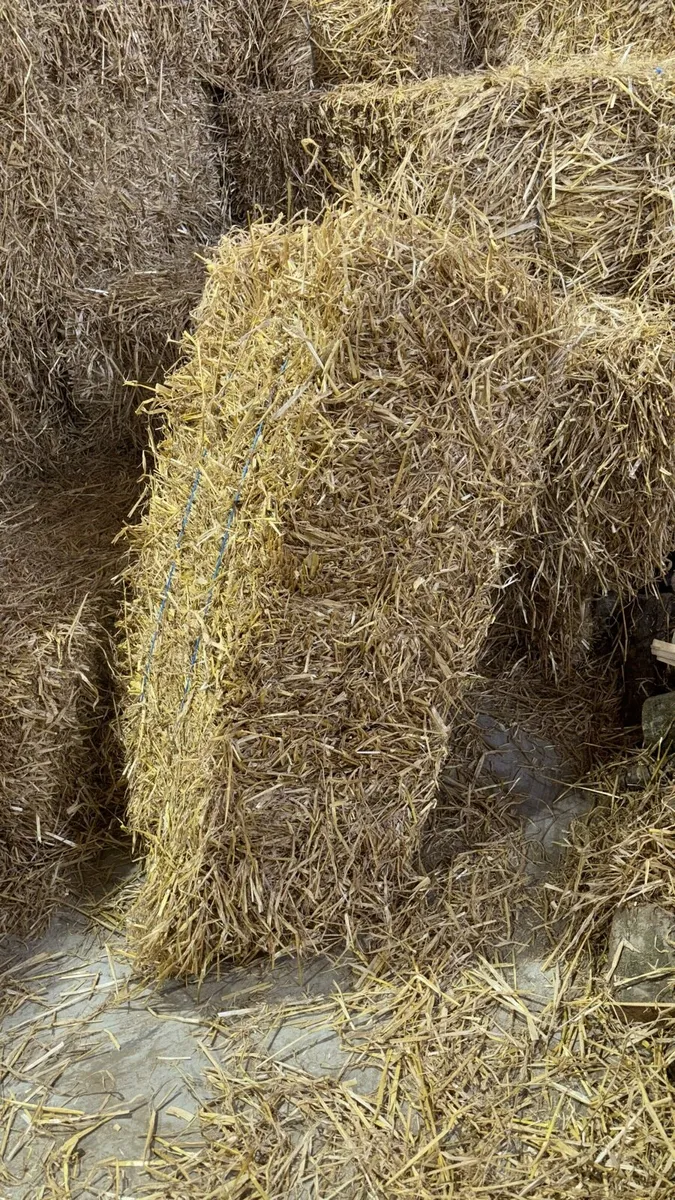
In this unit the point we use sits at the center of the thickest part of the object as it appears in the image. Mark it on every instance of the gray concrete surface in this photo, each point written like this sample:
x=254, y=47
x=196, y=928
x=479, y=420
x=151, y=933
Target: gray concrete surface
x=129, y=1061
x=641, y=956
x=534, y=779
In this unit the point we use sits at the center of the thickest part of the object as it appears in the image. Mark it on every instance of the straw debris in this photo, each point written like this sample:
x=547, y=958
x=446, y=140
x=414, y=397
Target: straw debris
x=480, y=1094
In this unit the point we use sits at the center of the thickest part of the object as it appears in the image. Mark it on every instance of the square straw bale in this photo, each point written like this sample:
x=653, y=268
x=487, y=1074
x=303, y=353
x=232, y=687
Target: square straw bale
x=347, y=453
x=508, y=33
x=569, y=164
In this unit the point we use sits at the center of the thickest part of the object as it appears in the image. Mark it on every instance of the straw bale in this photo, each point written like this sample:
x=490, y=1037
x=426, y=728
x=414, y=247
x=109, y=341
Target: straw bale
x=569, y=163
x=275, y=752
x=59, y=761
x=524, y=31
x=126, y=331
x=109, y=168
x=356, y=42
x=288, y=52
x=604, y=517
x=309, y=596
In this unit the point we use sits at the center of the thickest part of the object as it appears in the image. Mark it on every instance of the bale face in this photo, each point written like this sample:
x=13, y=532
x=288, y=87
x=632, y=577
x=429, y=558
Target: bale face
x=384, y=436
x=383, y=40
x=567, y=164
x=126, y=332
x=605, y=517
x=285, y=733
x=60, y=768
x=109, y=168
x=521, y=32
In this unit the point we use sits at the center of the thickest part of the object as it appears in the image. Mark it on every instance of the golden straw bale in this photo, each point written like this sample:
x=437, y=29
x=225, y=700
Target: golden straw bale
x=568, y=163
x=383, y=437
x=346, y=456
x=526, y=31
x=357, y=42
x=604, y=519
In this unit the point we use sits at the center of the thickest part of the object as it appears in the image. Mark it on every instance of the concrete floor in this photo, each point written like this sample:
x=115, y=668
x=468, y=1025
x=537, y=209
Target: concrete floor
x=125, y=1060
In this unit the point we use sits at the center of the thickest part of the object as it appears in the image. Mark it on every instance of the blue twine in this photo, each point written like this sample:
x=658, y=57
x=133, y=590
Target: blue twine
x=225, y=539
x=169, y=578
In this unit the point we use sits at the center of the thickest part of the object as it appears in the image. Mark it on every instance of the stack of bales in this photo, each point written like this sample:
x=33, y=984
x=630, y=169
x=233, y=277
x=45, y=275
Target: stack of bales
x=109, y=184
x=446, y=398
x=272, y=135
x=383, y=431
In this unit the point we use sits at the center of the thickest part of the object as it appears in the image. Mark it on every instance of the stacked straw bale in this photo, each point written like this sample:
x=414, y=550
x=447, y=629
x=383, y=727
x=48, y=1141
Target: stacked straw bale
x=526, y=31
x=347, y=451
x=357, y=42
x=59, y=760
x=604, y=518
x=570, y=164
x=109, y=169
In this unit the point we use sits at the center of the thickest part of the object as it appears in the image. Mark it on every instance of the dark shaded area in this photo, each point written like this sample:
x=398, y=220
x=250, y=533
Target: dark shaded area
x=627, y=634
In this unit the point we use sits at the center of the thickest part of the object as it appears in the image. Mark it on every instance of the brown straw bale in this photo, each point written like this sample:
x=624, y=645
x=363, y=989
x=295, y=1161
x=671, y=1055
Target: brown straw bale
x=604, y=517
x=568, y=163
x=109, y=167
x=59, y=765
x=513, y=33
x=127, y=331
x=290, y=652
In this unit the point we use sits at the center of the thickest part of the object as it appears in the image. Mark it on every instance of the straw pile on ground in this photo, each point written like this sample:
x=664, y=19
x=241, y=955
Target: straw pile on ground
x=478, y=1092
x=568, y=164
x=59, y=758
